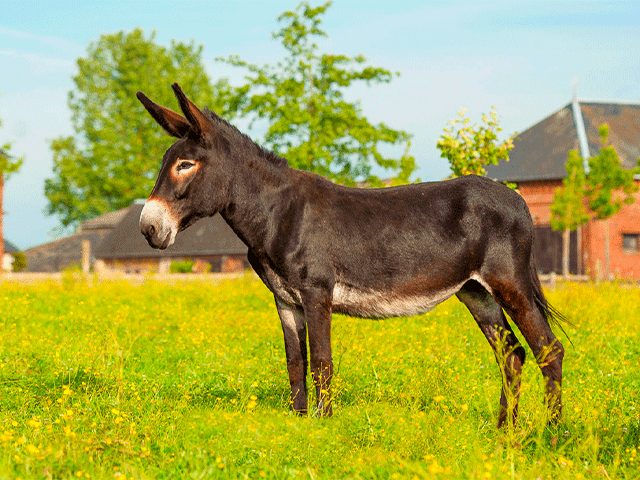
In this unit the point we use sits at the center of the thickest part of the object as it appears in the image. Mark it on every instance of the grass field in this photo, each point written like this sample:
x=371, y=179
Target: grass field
x=121, y=381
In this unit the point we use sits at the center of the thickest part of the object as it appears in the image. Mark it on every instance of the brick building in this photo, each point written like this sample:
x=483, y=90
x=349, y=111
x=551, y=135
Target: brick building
x=537, y=165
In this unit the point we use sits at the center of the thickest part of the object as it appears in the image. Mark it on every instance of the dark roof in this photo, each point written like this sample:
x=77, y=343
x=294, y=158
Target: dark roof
x=9, y=247
x=540, y=152
x=624, y=129
x=208, y=236
x=108, y=220
x=55, y=256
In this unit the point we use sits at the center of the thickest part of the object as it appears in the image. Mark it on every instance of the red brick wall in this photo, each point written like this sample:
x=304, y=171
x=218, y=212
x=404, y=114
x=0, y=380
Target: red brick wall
x=131, y=265
x=224, y=263
x=623, y=263
x=539, y=196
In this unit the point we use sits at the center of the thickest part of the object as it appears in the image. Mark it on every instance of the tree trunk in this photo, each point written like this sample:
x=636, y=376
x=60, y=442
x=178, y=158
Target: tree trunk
x=1, y=217
x=566, y=235
x=580, y=251
x=607, y=257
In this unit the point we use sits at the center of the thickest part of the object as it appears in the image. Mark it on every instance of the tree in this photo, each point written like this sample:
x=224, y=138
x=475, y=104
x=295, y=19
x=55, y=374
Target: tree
x=568, y=210
x=470, y=147
x=309, y=121
x=19, y=262
x=8, y=166
x=607, y=187
x=606, y=177
x=114, y=156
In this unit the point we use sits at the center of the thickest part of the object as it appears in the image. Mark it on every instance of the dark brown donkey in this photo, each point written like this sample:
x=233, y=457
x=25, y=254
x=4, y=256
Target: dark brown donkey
x=324, y=248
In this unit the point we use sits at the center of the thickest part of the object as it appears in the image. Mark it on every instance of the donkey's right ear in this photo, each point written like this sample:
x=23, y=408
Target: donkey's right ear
x=174, y=124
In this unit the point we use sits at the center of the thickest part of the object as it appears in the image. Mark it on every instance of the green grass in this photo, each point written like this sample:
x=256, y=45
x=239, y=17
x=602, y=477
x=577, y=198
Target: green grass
x=121, y=381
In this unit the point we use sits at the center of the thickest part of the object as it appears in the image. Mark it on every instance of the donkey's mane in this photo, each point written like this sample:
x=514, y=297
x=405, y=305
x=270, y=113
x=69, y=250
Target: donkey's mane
x=234, y=134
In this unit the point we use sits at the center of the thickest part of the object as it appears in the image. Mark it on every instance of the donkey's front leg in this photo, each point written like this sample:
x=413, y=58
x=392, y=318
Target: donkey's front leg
x=317, y=309
x=295, y=344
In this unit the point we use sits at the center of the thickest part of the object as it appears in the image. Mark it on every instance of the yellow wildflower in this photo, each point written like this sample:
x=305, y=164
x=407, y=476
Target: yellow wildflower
x=32, y=449
x=34, y=422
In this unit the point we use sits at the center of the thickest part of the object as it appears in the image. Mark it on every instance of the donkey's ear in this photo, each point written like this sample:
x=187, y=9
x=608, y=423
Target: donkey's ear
x=175, y=125
x=196, y=118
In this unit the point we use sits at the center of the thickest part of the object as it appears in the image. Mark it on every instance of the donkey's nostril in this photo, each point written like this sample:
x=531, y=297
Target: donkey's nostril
x=148, y=230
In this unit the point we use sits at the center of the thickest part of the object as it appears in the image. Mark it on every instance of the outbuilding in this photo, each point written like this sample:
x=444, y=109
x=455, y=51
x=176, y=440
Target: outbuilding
x=209, y=243
x=537, y=165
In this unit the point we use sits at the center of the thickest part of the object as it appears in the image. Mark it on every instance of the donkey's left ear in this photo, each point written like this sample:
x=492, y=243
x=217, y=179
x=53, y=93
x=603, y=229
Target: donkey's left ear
x=194, y=115
x=174, y=124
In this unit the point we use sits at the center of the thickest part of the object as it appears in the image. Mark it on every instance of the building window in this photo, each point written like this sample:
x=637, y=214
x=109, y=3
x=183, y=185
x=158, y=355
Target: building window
x=631, y=241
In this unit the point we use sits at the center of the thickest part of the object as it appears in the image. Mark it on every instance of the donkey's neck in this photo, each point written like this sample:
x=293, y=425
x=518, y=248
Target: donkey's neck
x=256, y=188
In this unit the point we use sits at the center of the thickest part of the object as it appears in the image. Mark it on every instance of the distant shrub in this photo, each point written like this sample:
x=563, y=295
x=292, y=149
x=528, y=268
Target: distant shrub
x=71, y=275
x=19, y=262
x=184, y=266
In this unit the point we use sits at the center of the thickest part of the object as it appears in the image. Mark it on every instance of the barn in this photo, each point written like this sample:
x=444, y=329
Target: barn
x=537, y=165
x=209, y=243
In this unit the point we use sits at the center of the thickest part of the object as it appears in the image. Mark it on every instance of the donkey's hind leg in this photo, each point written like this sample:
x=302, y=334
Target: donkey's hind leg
x=509, y=353
x=521, y=305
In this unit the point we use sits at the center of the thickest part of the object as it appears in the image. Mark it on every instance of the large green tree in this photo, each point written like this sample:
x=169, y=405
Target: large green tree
x=302, y=99
x=8, y=166
x=115, y=154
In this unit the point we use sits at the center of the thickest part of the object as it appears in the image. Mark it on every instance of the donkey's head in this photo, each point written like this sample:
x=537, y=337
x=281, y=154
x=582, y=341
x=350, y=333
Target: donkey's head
x=180, y=196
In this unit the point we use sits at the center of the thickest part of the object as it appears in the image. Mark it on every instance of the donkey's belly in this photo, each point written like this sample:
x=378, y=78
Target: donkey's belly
x=361, y=302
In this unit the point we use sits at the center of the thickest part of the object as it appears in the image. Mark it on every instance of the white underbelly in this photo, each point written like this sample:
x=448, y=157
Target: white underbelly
x=371, y=303
x=377, y=304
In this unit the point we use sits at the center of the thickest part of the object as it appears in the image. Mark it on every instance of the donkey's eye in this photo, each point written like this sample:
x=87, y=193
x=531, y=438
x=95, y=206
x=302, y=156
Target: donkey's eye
x=184, y=165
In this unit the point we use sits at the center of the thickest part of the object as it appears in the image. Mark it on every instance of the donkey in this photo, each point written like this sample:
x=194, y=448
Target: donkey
x=375, y=253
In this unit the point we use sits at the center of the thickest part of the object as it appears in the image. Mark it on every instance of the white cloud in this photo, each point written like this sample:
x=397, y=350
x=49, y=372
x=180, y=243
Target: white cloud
x=57, y=44
x=38, y=63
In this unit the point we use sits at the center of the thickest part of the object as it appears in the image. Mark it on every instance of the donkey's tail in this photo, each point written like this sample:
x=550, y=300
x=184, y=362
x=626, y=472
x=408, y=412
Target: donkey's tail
x=549, y=313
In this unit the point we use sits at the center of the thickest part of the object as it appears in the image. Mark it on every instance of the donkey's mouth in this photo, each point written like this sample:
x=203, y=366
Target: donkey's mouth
x=155, y=242
x=159, y=240
x=166, y=242
x=157, y=226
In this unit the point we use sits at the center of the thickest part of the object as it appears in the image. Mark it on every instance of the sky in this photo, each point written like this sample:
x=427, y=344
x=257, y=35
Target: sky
x=522, y=57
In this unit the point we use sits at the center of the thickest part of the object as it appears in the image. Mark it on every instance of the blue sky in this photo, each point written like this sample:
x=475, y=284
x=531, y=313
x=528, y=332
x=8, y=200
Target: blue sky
x=520, y=56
